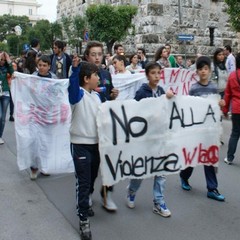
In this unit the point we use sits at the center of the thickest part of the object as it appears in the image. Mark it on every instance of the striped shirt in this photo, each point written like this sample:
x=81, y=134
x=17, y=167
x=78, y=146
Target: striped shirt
x=198, y=89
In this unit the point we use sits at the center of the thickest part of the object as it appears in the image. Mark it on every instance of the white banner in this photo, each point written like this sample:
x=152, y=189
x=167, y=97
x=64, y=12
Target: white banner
x=177, y=79
x=157, y=136
x=42, y=121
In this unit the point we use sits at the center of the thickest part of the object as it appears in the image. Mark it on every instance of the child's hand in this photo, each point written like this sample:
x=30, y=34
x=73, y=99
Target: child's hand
x=114, y=93
x=75, y=61
x=222, y=103
x=169, y=94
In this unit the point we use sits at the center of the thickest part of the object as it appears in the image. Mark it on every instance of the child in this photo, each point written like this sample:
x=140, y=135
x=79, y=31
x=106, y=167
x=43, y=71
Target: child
x=151, y=89
x=83, y=133
x=201, y=88
x=43, y=65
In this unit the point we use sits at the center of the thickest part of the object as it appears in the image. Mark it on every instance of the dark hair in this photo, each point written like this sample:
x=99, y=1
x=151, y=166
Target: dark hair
x=34, y=42
x=132, y=56
x=228, y=47
x=30, y=63
x=90, y=45
x=86, y=70
x=45, y=59
x=203, y=61
x=116, y=46
x=59, y=44
x=168, y=45
x=151, y=65
x=120, y=58
x=143, y=50
x=217, y=51
x=159, y=53
x=237, y=60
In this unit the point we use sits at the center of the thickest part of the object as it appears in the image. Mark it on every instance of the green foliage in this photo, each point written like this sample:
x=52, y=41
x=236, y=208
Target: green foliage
x=110, y=23
x=234, y=13
x=4, y=47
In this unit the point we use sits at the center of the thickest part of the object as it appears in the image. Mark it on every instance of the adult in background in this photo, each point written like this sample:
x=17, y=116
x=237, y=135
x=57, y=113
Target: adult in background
x=5, y=68
x=30, y=64
x=134, y=67
x=35, y=45
x=60, y=61
x=232, y=96
x=219, y=71
x=230, y=62
x=161, y=57
x=142, y=57
x=171, y=58
x=179, y=62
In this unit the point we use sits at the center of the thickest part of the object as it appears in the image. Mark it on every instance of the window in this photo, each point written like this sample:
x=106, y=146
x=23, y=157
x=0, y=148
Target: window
x=211, y=35
x=29, y=11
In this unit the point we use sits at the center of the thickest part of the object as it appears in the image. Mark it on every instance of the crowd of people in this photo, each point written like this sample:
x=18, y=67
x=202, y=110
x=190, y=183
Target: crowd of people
x=90, y=84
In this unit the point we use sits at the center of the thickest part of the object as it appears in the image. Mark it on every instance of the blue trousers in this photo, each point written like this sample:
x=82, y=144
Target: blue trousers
x=4, y=102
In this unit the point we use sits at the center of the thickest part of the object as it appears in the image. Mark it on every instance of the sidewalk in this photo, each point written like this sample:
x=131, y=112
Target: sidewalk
x=25, y=211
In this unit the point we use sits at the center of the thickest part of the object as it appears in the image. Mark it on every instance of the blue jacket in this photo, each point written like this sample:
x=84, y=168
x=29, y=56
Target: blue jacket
x=145, y=92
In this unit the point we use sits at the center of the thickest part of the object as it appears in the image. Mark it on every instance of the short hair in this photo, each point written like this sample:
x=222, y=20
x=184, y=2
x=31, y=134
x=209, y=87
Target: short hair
x=168, y=45
x=34, y=42
x=116, y=46
x=90, y=45
x=120, y=58
x=143, y=50
x=86, y=70
x=202, y=61
x=59, y=44
x=151, y=65
x=45, y=59
x=237, y=60
x=228, y=47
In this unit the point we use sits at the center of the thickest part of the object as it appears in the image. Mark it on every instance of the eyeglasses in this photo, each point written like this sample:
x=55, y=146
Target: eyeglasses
x=96, y=54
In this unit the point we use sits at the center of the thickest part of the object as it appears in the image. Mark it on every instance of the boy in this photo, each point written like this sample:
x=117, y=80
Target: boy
x=94, y=54
x=201, y=88
x=83, y=134
x=151, y=89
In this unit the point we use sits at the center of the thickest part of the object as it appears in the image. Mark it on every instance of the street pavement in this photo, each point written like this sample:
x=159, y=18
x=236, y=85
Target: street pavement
x=45, y=209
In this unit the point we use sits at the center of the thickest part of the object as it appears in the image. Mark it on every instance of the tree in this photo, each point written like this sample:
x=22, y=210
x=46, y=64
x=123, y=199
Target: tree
x=110, y=23
x=234, y=13
x=74, y=28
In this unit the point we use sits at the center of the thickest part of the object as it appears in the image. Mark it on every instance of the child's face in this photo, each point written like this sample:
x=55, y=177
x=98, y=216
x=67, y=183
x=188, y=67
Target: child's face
x=93, y=81
x=95, y=56
x=154, y=77
x=204, y=73
x=43, y=68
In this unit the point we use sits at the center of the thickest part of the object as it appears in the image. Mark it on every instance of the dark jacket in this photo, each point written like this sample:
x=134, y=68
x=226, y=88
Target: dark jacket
x=145, y=92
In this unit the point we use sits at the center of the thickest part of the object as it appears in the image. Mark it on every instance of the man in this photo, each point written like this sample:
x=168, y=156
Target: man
x=94, y=54
x=171, y=58
x=142, y=57
x=179, y=62
x=35, y=45
x=230, y=62
x=60, y=61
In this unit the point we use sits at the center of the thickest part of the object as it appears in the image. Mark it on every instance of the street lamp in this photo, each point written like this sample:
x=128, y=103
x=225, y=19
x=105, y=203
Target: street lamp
x=18, y=32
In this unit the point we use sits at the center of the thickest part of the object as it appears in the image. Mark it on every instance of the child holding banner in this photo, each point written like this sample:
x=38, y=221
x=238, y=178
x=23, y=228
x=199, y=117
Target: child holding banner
x=84, y=139
x=151, y=89
x=202, y=88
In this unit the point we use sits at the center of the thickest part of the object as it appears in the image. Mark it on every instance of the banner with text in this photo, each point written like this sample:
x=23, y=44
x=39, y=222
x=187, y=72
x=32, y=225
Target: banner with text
x=157, y=136
x=177, y=79
x=42, y=120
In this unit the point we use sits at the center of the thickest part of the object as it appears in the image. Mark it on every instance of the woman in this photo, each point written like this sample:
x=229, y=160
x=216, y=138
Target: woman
x=219, y=74
x=30, y=65
x=5, y=69
x=161, y=57
x=134, y=67
x=119, y=63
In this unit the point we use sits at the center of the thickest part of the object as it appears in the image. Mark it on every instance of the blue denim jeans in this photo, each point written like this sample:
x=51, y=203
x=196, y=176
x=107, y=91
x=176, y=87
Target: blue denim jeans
x=158, y=188
x=4, y=101
x=235, y=134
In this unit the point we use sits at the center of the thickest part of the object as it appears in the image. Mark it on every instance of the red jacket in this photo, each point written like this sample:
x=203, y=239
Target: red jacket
x=232, y=93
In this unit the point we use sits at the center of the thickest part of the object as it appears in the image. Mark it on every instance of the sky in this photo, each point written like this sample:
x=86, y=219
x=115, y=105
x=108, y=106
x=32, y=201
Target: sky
x=48, y=9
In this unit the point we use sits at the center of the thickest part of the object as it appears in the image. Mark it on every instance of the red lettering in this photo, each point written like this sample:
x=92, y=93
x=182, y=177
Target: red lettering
x=187, y=157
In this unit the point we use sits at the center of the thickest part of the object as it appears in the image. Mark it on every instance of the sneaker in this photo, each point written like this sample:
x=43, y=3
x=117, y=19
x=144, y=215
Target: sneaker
x=185, y=185
x=11, y=118
x=1, y=141
x=108, y=203
x=84, y=228
x=33, y=174
x=90, y=212
x=227, y=161
x=130, y=200
x=161, y=210
x=214, y=194
x=45, y=174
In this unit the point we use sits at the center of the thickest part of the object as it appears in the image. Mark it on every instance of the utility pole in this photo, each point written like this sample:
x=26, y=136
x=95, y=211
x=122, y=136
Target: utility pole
x=179, y=12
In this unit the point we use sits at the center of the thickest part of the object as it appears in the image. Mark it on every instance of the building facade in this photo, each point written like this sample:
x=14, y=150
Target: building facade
x=162, y=21
x=27, y=8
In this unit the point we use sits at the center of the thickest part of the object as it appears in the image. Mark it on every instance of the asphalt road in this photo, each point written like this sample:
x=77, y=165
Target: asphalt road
x=45, y=209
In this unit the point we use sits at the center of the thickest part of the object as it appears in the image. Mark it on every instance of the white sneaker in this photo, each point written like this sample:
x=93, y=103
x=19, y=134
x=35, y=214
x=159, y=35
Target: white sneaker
x=1, y=141
x=108, y=203
x=161, y=210
x=131, y=200
x=227, y=161
x=33, y=174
